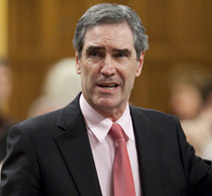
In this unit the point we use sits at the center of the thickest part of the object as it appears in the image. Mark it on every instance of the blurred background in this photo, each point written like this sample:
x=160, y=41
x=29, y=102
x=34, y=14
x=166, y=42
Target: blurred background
x=36, y=34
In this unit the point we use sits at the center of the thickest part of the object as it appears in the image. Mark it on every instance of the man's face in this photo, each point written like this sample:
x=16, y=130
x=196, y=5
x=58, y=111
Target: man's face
x=108, y=67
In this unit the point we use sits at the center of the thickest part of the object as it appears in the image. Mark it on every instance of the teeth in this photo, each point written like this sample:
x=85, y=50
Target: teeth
x=112, y=85
x=109, y=87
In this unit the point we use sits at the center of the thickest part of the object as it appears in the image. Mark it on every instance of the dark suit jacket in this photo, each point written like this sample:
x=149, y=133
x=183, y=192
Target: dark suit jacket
x=5, y=124
x=50, y=155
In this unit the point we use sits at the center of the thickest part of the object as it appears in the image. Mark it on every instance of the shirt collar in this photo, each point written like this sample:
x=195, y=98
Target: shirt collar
x=100, y=126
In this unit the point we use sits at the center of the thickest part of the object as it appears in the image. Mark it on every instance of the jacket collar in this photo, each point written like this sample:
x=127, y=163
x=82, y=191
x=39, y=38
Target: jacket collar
x=148, y=150
x=74, y=146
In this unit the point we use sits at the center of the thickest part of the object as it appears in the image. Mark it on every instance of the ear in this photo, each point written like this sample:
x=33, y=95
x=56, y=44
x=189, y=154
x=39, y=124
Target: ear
x=78, y=67
x=140, y=65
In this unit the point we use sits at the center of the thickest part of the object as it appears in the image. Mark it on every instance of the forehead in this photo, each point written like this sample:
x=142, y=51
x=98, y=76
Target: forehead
x=110, y=36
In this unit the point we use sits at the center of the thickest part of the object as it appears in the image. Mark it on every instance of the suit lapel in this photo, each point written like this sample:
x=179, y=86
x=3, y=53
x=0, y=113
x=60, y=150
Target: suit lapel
x=74, y=146
x=76, y=151
x=148, y=150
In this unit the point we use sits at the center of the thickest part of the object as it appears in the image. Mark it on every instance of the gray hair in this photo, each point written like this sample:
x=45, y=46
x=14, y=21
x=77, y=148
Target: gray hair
x=106, y=13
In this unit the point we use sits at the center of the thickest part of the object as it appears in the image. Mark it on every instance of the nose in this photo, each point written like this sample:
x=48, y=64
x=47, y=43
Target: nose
x=108, y=67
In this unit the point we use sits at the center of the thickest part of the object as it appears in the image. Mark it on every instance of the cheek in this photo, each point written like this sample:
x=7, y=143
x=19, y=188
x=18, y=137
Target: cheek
x=128, y=81
x=88, y=76
x=132, y=80
x=131, y=73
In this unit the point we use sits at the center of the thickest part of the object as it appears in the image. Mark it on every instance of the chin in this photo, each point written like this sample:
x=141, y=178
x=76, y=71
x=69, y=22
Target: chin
x=105, y=103
x=108, y=104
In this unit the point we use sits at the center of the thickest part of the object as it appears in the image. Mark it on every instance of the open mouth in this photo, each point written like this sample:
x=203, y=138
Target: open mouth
x=108, y=86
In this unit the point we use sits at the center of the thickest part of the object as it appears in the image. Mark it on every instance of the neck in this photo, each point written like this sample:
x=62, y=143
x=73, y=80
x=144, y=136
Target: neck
x=113, y=115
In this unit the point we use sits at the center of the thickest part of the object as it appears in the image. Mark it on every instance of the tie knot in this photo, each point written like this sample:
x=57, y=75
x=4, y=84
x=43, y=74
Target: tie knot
x=117, y=132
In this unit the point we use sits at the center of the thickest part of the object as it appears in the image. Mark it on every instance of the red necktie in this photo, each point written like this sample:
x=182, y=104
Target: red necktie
x=122, y=174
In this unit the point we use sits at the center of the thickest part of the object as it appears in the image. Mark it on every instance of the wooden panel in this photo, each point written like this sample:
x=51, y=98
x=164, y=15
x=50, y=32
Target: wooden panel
x=3, y=28
x=23, y=28
x=41, y=32
x=179, y=31
x=58, y=26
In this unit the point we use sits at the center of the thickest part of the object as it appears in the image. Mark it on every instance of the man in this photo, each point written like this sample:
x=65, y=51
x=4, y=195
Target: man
x=199, y=130
x=71, y=152
x=5, y=94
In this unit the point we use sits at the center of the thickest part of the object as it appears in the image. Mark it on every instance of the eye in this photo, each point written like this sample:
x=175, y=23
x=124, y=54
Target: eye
x=120, y=55
x=95, y=54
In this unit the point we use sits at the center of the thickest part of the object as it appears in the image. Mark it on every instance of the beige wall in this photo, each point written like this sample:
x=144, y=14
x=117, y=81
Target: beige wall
x=3, y=28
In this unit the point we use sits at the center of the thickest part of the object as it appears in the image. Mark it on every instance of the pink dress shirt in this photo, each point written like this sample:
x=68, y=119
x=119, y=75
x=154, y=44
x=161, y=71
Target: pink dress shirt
x=103, y=147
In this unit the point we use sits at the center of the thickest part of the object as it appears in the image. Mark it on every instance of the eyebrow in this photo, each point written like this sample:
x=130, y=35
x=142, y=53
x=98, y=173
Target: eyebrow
x=123, y=51
x=94, y=48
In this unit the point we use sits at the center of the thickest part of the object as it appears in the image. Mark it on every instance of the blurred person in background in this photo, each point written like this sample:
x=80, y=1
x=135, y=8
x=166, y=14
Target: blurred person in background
x=186, y=83
x=5, y=95
x=60, y=86
x=199, y=129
